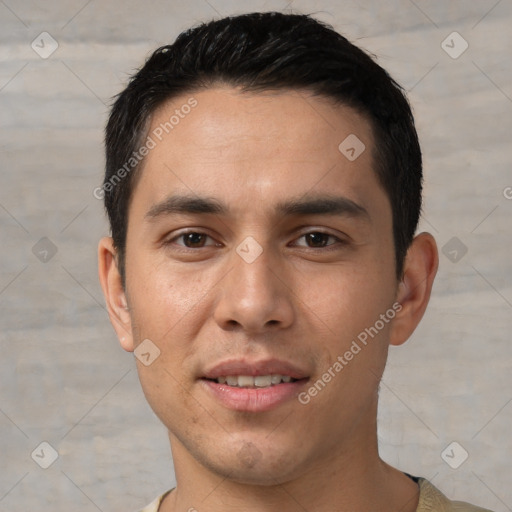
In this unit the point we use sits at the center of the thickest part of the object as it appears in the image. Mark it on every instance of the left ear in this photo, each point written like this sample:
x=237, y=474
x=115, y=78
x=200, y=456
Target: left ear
x=420, y=268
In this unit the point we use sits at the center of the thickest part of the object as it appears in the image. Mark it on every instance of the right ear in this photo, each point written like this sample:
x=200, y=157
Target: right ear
x=115, y=296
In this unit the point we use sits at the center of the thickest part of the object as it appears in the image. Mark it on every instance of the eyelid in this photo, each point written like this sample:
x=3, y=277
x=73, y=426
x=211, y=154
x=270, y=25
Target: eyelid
x=338, y=239
x=187, y=231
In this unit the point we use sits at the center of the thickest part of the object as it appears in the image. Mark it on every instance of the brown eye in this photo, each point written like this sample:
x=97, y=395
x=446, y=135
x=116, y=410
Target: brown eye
x=317, y=239
x=194, y=240
x=191, y=240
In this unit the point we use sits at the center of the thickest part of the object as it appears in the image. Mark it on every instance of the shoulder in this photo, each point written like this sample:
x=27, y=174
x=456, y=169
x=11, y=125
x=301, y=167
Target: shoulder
x=433, y=500
x=155, y=504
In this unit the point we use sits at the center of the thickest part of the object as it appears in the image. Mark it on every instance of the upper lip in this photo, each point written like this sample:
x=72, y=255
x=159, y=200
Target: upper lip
x=254, y=368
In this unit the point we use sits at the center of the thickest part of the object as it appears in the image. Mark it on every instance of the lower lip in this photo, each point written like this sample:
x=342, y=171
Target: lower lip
x=254, y=399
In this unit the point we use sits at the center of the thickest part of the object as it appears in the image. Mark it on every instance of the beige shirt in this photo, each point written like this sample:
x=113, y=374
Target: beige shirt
x=431, y=500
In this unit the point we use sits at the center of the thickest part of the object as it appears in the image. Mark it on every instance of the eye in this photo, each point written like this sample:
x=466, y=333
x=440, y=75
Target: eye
x=192, y=240
x=318, y=239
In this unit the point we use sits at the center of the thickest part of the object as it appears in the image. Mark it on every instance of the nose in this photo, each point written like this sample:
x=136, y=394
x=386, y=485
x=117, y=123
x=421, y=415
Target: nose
x=255, y=297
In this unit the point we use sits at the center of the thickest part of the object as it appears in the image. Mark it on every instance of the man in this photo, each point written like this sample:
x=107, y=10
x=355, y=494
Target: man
x=263, y=186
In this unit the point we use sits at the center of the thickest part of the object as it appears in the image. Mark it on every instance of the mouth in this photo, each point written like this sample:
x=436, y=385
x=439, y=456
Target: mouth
x=250, y=382
x=246, y=386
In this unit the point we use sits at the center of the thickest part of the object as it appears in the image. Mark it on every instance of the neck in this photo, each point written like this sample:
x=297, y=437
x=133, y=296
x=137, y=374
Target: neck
x=354, y=479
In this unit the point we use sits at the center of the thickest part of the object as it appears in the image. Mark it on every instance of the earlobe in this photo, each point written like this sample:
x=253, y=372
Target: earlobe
x=115, y=296
x=414, y=290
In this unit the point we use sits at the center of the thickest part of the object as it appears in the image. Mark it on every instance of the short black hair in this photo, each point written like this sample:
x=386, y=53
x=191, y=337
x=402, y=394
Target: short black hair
x=264, y=52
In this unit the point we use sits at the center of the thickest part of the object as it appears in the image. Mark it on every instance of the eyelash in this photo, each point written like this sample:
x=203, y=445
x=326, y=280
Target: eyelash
x=328, y=247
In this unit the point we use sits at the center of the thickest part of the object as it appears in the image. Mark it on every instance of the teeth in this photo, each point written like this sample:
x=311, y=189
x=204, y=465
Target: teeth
x=232, y=381
x=262, y=381
x=276, y=379
x=247, y=381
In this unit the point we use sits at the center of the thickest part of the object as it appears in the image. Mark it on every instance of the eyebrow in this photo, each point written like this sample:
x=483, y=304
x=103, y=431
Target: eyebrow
x=317, y=205
x=323, y=205
x=186, y=204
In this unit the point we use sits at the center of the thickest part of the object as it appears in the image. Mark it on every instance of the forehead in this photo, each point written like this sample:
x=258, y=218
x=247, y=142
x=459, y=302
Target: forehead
x=244, y=147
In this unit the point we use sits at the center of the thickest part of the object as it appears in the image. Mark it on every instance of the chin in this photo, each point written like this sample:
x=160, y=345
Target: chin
x=253, y=464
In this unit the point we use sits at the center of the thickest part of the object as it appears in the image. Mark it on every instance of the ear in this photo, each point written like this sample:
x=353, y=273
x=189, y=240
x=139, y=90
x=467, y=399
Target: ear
x=414, y=289
x=115, y=296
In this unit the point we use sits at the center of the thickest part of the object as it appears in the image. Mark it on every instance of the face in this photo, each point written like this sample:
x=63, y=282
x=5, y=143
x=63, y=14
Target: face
x=257, y=248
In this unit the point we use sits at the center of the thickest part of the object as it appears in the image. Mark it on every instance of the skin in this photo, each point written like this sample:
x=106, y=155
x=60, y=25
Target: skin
x=303, y=300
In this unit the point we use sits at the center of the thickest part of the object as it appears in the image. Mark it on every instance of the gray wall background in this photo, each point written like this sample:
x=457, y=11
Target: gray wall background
x=64, y=379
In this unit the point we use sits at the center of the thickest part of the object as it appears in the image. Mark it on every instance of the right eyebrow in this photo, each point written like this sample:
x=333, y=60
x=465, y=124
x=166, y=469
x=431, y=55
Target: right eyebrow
x=185, y=204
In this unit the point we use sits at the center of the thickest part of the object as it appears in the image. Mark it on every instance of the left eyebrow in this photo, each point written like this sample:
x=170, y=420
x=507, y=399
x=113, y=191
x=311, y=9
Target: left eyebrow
x=324, y=205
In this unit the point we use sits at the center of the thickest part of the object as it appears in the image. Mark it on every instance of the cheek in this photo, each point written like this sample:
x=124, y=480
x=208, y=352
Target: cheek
x=345, y=299
x=166, y=392
x=162, y=295
x=343, y=307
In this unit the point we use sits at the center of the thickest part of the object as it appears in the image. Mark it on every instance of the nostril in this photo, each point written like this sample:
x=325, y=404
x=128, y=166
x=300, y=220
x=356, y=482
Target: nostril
x=232, y=323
